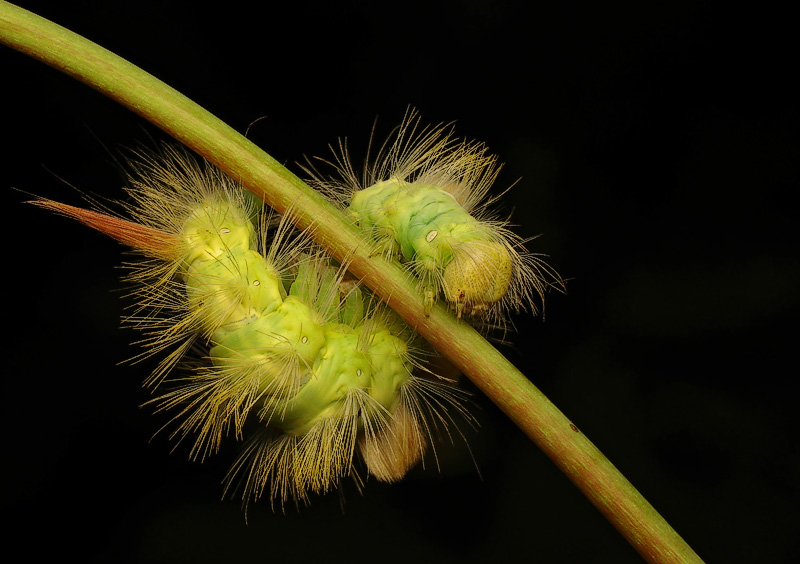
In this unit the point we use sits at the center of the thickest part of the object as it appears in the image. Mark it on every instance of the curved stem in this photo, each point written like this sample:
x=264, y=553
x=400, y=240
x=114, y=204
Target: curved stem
x=566, y=446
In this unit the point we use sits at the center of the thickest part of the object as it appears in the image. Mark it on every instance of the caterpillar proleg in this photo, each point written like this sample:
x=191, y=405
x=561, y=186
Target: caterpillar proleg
x=277, y=348
x=424, y=199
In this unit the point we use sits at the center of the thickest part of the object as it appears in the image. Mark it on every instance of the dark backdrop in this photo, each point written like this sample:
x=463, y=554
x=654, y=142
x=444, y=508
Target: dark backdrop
x=658, y=153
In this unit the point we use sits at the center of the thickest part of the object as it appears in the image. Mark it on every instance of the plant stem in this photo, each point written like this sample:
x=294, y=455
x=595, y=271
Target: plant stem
x=566, y=446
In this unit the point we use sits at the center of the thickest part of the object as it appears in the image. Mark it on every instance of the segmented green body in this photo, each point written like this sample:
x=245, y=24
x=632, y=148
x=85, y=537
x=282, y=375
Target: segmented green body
x=322, y=372
x=424, y=223
x=424, y=201
x=241, y=302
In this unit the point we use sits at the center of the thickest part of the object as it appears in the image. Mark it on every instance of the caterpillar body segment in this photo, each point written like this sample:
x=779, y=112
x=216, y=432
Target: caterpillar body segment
x=424, y=200
x=446, y=247
x=277, y=347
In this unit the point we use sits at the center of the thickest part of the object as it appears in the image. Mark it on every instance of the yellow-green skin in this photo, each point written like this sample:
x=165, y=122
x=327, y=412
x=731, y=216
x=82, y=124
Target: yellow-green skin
x=241, y=304
x=425, y=224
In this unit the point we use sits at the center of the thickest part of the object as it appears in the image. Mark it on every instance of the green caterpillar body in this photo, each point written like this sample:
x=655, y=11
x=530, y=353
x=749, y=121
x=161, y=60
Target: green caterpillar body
x=320, y=371
x=424, y=201
x=424, y=224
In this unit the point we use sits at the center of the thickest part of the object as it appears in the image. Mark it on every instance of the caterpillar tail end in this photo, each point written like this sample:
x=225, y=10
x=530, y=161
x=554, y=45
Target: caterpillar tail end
x=478, y=276
x=148, y=240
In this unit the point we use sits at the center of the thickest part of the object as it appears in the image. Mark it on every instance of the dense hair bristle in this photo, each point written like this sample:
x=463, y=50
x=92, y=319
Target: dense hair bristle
x=415, y=154
x=257, y=328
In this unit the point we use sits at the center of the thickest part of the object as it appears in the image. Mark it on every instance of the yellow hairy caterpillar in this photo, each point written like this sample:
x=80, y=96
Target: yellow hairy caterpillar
x=293, y=359
x=424, y=200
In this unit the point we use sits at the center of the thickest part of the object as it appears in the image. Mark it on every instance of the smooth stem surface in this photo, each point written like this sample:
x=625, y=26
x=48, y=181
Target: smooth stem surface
x=569, y=449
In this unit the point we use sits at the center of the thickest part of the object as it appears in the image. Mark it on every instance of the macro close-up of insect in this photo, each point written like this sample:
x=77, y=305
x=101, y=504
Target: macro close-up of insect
x=325, y=371
x=450, y=282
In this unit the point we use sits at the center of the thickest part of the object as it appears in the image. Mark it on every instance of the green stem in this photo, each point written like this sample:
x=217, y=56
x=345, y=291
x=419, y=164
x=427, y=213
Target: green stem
x=567, y=447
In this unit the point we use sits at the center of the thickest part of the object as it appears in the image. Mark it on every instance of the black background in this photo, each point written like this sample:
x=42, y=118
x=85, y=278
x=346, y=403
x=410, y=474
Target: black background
x=658, y=153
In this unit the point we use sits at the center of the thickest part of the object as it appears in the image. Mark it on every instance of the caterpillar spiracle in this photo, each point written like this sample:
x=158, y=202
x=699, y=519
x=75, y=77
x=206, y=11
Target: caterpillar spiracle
x=424, y=199
x=276, y=348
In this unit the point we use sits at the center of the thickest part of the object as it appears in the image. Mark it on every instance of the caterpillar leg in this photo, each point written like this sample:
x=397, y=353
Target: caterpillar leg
x=429, y=299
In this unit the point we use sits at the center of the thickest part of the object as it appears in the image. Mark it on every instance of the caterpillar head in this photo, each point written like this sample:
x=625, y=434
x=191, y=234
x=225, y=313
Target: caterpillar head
x=478, y=276
x=215, y=226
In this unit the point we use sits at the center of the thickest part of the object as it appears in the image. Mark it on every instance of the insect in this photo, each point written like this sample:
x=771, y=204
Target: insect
x=424, y=200
x=263, y=338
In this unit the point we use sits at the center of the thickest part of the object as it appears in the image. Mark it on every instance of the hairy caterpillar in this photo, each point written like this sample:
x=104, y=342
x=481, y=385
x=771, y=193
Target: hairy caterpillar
x=424, y=199
x=293, y=359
